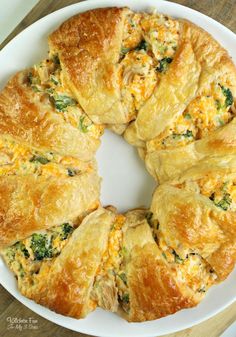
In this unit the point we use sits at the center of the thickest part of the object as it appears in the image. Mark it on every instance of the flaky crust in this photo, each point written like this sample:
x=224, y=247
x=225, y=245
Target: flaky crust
x=29, y=118
x=30, y=203
x=67, y=286
x=168, y=164
x=173, y=94
x=153, y=291
x=211, y=62
x=191, y=220
x=88, y=46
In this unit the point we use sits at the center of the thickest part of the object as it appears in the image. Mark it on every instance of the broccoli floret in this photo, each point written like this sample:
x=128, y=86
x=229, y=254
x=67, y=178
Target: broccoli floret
x=84, y=128
x=142, y=45
x=187, y=134
x=228, y=96
x=56, y=60
x=67, y=229
x=61, y=102
x=124, y=50
x=125, y=298
x=123, y=277
x=164, y=64
x=41, y=246
x=19, y=245
x=39, y=159
x=224, y=203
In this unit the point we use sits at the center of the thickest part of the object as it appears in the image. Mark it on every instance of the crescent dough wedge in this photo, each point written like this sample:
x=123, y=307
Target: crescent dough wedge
x=63, y=281
x=151, y=290
x=168, y=164
x=30, y=203
x=211, y=107
x=116, y=47
x=30, y=117
x=92, y=41
x=198, y=215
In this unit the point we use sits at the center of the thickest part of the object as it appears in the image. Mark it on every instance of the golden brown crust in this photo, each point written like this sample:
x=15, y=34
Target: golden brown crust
x=214, y=63
x=67, y=286
x=88, y=46
x=213, y=58
x=31, y=203
x=153, y=291
x=31, y=118
x=191, y=220
x=174, y=92
x=168, y=164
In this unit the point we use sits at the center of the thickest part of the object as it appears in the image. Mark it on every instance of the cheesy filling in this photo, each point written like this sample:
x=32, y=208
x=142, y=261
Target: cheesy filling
x=220, y=190
x=26, y=257
x=108, y=270
x=187, y=265
x=139, y=79
x=148, y=47
x=206, y=113
x=46, y=79
x=162, y=33
x=17, y=158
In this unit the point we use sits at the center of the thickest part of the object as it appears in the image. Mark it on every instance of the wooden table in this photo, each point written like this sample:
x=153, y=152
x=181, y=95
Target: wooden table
x=223, y=11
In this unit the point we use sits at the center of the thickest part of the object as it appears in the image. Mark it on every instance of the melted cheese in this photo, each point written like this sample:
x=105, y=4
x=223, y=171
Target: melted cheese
x=148, y=46
x=162, y=33
x=22, y=257
x=132, y=31
x=188, y=267
x=220, y=189
x=18, y=158
x=138, y=79
x=111, y=258
x=206, y=113
x=46, y=78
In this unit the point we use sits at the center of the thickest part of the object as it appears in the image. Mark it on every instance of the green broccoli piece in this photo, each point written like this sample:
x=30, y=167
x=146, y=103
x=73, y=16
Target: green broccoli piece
x=164, y=255
x=187, y=116
x=61, y=102
x=41, y=246
x=54, y=79
x=124, y=50
x=19, y=245
x=142, y=46
x=84, y=128
x=67, y=229
x=125, y=298
x=187, y=134
x=224, y=203
x=39, y=159
x=228, y=96
x=163, y=64
x=56, y=60
x=123, y=277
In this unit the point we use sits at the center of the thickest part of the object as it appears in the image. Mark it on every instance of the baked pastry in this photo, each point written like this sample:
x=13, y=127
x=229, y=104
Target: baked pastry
x=169, y=88
x=185, y=109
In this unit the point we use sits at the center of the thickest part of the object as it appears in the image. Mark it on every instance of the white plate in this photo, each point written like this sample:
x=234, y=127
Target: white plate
x=29, y=47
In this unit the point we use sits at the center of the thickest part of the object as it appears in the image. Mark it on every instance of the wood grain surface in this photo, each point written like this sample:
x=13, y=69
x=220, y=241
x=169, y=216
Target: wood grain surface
x=33, y=325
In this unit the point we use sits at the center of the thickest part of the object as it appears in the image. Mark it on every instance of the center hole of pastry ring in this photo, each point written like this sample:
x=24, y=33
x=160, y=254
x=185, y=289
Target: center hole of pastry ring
x=126, y=184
